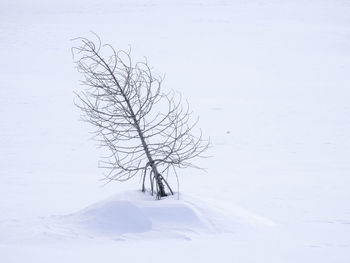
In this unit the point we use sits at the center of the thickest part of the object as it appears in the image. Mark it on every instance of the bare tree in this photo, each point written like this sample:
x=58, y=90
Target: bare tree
x=147, y=132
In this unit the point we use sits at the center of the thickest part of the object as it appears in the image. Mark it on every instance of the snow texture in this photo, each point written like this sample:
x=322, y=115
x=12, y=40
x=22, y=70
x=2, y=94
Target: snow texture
x=270, y=82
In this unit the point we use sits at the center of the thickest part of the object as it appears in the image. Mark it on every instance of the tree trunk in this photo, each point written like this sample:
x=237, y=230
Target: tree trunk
x=161, y=189
x=158, y=177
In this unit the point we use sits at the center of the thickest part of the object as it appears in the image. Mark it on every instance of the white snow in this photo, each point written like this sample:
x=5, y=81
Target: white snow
x=135, y=213
x=270, y=82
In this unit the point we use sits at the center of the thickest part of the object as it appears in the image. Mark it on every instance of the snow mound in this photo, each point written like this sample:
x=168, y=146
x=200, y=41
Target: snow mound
x=136, y=213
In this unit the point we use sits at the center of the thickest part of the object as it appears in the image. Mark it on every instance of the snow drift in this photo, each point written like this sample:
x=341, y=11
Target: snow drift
x=135, y=213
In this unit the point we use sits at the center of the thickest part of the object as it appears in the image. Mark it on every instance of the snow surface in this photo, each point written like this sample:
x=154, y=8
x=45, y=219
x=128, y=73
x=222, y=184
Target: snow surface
x=270, y=81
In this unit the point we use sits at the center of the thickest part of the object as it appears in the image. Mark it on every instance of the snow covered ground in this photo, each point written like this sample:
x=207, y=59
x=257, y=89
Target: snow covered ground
x=270, y=82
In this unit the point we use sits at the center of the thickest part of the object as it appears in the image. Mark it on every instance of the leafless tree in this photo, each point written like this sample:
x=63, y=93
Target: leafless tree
x=148, y=132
